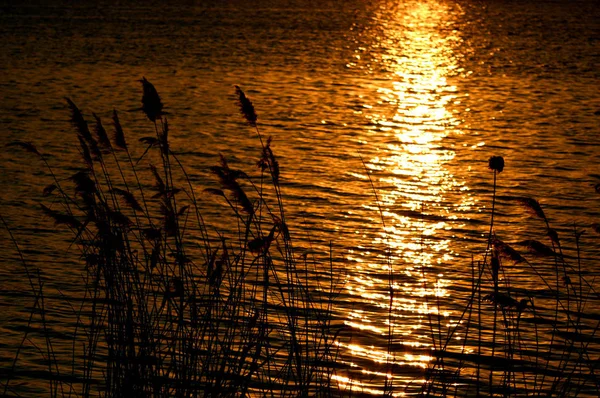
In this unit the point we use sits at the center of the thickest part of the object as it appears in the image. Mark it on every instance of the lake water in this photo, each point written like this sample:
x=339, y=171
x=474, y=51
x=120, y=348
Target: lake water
x=423, y=91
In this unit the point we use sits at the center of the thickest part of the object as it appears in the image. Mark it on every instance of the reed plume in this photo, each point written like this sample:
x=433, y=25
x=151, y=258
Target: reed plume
x=504, y=250
x=151, y=103
x=269, y=161
x=553, y=235
x=78, y=121
x=158, y=181
x=119, y=135
x=128, y=198
x=538, y=248
x=49, y=189
x=103, y=139
x=214, y=191
x=532, y=206
x=29, y=147
x=246, y=107
x=228, y=179
x=119, y=218
x=85, y=152
x=83, y=183
x=61, y=218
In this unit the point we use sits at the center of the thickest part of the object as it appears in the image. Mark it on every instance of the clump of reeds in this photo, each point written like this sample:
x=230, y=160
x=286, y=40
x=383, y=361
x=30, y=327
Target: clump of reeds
x=527, y=343
x=162, y=316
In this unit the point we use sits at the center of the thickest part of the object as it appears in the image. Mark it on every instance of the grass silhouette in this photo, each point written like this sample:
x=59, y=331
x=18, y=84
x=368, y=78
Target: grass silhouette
x=169, y=310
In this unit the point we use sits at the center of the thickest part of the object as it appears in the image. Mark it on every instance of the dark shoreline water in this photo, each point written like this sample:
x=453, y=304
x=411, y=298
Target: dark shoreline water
x=425, y=92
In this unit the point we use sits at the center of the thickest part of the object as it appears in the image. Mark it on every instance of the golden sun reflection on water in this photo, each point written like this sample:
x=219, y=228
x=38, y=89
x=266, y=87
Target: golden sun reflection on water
x=414, y=200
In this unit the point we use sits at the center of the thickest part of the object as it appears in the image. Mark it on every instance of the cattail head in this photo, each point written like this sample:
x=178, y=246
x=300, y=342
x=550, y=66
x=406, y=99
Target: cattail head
x=151, y=103
x=496, y=163
x=119, y=136
x=246, y=107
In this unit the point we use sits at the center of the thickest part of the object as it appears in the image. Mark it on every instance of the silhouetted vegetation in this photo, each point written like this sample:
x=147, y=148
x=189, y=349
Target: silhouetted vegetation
x=170, y=310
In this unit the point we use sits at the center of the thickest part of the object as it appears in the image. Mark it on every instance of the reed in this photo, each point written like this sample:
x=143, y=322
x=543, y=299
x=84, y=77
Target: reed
x=171, y=308
x=167, y=314
x=561, y=359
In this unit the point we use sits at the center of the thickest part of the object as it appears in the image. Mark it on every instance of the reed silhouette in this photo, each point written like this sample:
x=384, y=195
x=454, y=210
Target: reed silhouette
x=165, y=313
x=170, y=310
x=503, y=359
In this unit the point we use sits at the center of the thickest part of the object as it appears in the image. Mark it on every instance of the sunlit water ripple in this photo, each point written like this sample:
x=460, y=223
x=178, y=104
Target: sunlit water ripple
x=383, y=117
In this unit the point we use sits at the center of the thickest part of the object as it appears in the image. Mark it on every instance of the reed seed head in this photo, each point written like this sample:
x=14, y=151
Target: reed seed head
x=553, y=235
x=78, y=121
x=128, y=198
x=49, y=189
x=533, y=206
x=119, y=136
x=505, y=251
x=103, y=139
x=85, y=152
x=246, y=107
x=61, y=218
x=151, y=103
x=537, y=248
x=158, y=182
x=29, y=147
x=84, y=185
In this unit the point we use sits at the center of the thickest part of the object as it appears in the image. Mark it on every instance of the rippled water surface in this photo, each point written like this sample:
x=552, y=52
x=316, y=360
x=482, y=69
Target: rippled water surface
x=383, y=116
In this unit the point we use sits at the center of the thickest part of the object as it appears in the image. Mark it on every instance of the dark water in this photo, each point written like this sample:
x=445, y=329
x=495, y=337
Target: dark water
x=424, y=91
